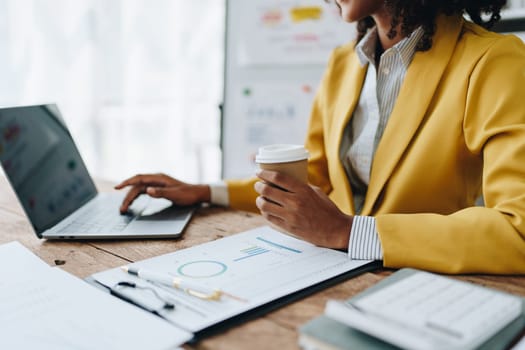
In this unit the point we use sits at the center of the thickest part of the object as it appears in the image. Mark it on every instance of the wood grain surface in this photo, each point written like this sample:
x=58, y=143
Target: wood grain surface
x=275, y=330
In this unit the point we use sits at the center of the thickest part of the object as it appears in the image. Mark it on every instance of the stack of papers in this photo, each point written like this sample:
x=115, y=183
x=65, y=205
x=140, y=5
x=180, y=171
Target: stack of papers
x=46, y=308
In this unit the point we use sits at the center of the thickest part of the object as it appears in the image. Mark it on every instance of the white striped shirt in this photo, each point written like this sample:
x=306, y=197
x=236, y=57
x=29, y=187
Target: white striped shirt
x=378, y=96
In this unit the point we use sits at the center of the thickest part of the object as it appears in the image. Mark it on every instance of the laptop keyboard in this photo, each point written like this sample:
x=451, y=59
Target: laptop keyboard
x=98, y=219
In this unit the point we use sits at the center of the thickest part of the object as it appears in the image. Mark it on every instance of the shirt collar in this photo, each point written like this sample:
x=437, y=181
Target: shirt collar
x=366, y=48
x=406, y=48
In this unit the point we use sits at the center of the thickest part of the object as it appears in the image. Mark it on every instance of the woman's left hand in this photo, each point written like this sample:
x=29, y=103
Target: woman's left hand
x=302, y=210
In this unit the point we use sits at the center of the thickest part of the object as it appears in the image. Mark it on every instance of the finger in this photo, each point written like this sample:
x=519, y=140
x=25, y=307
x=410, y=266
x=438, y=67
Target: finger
x=128, y=182
x=269, y=208
x=284, y=181
x=277, y=221
x=130, y=197
x=160, y=192
x=316, y=188
x=271, y=193
x=318, y=191
x=144, y=180
x=173, y=194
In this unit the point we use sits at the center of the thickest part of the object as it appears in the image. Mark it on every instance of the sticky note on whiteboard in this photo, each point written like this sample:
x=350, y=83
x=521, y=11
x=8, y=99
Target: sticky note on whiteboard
x=305, y=13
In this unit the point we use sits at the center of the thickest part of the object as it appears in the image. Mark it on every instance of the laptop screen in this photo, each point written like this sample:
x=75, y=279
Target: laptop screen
x=43, y=164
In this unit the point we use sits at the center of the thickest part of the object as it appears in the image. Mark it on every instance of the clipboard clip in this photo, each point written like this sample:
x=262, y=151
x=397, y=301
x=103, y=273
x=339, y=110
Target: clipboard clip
x=116, y=290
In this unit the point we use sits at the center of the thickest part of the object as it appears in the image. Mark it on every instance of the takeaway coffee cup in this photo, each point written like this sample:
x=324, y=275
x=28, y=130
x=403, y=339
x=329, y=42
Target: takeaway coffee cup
x=287, y=159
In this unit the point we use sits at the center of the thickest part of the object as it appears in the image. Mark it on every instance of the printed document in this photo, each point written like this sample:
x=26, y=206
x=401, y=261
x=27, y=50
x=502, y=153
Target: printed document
x=46, y=308
x=255, y=267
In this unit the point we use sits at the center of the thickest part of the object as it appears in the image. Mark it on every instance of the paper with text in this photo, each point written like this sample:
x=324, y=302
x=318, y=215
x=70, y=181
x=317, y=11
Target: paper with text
x=258, y=266
x=46, y=308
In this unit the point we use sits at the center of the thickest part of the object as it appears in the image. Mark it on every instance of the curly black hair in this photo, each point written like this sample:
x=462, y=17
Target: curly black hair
x=410, y=14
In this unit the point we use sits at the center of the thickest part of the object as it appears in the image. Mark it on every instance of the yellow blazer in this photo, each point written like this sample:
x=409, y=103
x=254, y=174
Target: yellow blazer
x=458, y=127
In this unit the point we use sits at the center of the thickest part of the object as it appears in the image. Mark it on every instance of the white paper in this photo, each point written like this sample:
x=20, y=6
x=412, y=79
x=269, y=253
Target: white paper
x=258, y=266
x=46, y=308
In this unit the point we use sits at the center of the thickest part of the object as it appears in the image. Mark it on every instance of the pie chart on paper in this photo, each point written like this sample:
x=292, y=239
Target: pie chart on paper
x=202, y=269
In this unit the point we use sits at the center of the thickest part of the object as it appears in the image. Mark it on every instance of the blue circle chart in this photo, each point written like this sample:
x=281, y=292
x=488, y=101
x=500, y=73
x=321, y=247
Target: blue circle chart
x=202, y=269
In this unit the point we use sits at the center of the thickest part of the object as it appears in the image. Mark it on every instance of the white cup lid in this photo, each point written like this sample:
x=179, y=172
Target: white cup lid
x=281, y=153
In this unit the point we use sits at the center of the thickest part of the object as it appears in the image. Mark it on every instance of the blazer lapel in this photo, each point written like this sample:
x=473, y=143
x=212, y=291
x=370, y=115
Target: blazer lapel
x=421, y=81
x=352, y=82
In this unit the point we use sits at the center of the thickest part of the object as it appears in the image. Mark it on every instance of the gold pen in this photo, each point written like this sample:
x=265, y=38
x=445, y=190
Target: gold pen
x=189, y=287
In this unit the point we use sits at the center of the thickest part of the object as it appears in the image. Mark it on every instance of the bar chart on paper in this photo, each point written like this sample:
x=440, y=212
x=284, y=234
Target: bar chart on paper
x=251, y=252
x=256, y=250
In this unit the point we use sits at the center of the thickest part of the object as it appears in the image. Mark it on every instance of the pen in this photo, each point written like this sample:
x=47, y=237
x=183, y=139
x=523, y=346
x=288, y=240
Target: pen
x=189, y=287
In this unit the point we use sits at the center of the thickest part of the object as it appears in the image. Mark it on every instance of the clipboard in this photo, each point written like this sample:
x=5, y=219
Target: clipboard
x=248, y=312
x=271, y=306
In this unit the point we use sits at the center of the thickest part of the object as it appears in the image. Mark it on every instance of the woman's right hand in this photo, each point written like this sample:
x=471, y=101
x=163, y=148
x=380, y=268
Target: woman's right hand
x=163, y=186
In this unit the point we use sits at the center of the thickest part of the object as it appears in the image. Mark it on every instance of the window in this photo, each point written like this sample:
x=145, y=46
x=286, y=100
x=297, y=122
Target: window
x=138, y=82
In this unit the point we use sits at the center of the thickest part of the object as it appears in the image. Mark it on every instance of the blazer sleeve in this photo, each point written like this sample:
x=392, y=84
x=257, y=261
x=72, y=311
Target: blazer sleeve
x=488, y=239
x=242, y=195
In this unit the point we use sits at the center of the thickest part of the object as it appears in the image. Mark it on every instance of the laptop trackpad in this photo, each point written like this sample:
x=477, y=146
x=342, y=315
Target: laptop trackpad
x=160, y=216
x=170, y=213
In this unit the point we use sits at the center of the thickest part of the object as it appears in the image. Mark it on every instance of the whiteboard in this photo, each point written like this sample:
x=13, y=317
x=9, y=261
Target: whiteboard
x=276, y=52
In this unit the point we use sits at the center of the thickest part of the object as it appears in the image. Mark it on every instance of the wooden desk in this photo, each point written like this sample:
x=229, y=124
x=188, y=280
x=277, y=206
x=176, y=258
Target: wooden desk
x=276, y=330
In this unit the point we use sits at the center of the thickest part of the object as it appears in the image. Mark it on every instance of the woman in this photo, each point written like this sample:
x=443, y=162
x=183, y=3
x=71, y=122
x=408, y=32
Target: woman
x=410, y=125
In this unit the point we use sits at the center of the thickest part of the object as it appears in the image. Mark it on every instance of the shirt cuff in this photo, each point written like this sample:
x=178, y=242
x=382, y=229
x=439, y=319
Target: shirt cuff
x=219, y=194
x=364, y=240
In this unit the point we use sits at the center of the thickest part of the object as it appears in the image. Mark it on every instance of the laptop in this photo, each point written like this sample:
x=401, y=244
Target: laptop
x=56, y=191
